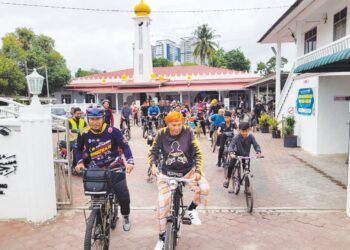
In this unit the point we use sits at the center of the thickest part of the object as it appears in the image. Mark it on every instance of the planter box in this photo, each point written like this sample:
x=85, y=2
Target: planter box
x=290, y=141
x=276, y=134
x=264, y=129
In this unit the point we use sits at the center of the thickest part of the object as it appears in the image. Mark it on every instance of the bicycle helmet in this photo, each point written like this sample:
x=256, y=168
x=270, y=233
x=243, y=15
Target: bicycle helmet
x=106, y=100
x=95, y=111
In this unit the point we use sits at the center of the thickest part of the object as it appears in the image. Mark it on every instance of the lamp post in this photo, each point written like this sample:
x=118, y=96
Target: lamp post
x=35, y=85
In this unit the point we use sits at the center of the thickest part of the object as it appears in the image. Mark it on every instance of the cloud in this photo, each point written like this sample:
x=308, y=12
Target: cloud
x=103, y=40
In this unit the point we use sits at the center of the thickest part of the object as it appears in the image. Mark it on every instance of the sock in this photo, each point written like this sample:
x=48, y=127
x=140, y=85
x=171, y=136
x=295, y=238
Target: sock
x=192, y=206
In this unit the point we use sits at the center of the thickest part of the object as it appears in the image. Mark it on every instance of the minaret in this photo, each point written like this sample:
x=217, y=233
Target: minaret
x=142, y=47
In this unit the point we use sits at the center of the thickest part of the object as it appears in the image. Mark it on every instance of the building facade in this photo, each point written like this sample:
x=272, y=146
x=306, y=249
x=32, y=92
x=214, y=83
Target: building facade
x=167, y=49
x=187, y=49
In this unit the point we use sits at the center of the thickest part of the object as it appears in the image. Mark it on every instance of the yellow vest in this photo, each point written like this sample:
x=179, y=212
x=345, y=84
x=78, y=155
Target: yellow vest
x=74, y=136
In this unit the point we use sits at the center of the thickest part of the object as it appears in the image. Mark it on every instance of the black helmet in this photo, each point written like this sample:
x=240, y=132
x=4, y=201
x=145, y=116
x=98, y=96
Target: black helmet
x=228, y=113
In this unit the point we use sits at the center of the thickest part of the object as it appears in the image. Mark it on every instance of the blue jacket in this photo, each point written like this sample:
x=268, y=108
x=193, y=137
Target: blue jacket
x=102, y=148
x=217, y=119
x=153, y=111
x=126, y=112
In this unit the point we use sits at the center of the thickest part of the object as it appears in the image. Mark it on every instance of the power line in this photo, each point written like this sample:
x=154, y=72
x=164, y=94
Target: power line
x=131, y=11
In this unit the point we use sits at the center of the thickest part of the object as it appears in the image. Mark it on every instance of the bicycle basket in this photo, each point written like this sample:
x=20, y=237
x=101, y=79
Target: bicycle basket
x=96, y=181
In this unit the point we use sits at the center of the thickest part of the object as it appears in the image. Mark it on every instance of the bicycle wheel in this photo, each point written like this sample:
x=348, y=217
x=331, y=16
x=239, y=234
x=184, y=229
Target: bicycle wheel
x=215, y=137
x=144, y=132
x=115, y=211
x=248, y=191
x=236, y=180
x=95, y=234
x=170, y=237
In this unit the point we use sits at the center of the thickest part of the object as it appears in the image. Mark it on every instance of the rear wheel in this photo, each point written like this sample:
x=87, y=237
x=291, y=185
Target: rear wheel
x=96, y=235
x=248, y=191
x=170, y=236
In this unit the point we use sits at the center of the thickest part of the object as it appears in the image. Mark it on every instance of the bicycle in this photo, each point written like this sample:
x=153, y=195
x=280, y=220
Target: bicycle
x=214, y=140
x=126, y=130
x=225, y=155
x=247, y=179
x=104, y=206
x=177, y=211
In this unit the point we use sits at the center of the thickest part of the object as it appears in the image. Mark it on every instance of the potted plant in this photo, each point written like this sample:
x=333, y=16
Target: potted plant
x=290, y=140
x=273, y=123
x=263, y=122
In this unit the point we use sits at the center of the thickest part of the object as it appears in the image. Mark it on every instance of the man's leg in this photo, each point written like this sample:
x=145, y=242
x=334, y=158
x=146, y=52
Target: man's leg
x=121, y=123
x=229, y=173
x=163, y=209
x=203, y=128
x=221, y=150
x=121, y=190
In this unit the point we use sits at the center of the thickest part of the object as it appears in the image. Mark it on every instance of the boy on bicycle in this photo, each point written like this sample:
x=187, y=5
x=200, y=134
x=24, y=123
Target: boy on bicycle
x=101, y=142
x=240, y=146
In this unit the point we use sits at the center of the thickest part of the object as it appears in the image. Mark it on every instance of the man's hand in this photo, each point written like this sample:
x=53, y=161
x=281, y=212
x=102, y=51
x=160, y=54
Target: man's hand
x=259, y=155
x=232, y=155
x=197, y=176
x=79, y=167
x=129, y=168
x=154, y=170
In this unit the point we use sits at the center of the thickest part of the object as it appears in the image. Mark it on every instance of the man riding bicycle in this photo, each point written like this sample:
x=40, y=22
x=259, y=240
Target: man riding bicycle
x=125, y=115
x=240, y=146
x=227, y=126
x=153, y=115
x=216, y=120
x=101, y=143
x=182, y=157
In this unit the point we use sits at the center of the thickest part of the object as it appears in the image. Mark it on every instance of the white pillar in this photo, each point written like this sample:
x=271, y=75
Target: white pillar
x=37, y=165
x=97, y=99
x=181, y=97
x=116, y=104
x=278, y=77
x=219, y=95
x=267, y=97
x=251, y=100
x=258, y=93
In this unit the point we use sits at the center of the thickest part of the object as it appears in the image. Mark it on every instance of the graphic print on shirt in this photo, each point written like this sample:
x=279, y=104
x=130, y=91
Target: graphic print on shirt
x=100, y=150
x=176, y=155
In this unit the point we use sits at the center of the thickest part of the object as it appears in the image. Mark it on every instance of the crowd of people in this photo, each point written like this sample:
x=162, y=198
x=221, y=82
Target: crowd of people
x=174, y=150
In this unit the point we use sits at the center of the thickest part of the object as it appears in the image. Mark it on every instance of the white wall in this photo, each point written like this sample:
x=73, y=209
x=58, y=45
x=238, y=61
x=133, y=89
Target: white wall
x=333, y=132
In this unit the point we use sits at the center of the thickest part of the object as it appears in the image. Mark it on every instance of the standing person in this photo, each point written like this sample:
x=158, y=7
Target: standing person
x=125, y=115
x=153, y=115
x=135, y=113
x=100, y=143
x=76, y=125
x=258, y=109
x=109, y=119
x=182, y=157
x=144, y=112
x=201, y=119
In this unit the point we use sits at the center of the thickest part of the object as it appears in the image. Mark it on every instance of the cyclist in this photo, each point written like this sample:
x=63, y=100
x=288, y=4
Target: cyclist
x=125, y=115
x=144, y=112
x=240, y=146
x=214, y=107
x=227, y=126
x=153, y=115
x=182, y=157
x=101, y=143
x=76, y=124
x=216, y=120
x=109, y=119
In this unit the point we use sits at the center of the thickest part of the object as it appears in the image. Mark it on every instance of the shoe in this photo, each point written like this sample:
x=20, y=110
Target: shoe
x=160, y=245
x=209, y=139
x=193, y=215
x=226, y=184
x=218, y=164
x=126, y=224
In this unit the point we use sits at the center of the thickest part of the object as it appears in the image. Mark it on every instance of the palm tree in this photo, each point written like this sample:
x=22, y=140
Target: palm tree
x=204, y=46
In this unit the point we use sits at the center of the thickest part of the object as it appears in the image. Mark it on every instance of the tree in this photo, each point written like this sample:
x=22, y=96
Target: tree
x=204, y=46
x=12, y=79
x=29, y=51
x=270, y=66
x=189, y=64
x=217, y=59
x=235, y=59
x=161, y=62
x=81, y=72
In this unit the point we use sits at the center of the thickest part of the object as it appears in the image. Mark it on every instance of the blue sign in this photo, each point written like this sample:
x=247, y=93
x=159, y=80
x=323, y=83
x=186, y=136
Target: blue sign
x=305, y=101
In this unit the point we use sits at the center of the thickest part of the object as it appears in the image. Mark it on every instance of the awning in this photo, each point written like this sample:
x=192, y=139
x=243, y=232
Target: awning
x=337, y=62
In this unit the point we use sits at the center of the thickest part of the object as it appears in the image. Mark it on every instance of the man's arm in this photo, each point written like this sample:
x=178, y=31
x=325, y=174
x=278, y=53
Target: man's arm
x=232, y=146
x=112, y=119
x=154, y=150
x=79, y=151
x=122, y=142
x=197, y=154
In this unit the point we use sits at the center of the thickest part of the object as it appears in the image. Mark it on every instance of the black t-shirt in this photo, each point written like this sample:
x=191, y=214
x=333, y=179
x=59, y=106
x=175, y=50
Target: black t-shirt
x=108, y=116
x=230, y=128
x=144, y=110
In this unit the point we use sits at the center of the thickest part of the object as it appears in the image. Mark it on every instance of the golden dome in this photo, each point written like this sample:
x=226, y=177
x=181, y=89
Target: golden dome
x=142, y=9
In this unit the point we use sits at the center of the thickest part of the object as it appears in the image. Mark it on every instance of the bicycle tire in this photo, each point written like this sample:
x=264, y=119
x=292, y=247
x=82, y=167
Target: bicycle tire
x=248, y=191
x=144, y=132
x=115, y=212
x=236, y=175
x=90, y=228
x=170, y=240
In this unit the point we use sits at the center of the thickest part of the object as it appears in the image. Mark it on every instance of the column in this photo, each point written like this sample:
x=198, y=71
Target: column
x=219, y=95
x=278, y=77
x=267, y=97
x=116, y=104
x=258, y=93
x=97, y=99
x=251, y=100
x=180, y=97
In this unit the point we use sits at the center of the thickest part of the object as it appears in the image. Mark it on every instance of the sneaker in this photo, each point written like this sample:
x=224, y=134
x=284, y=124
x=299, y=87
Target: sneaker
x=160, y=245
x=226, y=184
x=218, y=164
x=209, y=139
x=126, y=224
x=193, y=215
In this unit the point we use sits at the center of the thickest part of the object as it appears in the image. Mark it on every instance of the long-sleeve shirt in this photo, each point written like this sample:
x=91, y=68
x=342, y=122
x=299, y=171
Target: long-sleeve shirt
x=102, y=148
x=153, y=111
x=241, y=146
x=109, y=119
x=217, y=119
x=180, y=153
x=126, y=112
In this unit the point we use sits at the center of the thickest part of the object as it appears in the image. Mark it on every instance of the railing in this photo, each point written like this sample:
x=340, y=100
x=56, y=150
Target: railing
x=337, y=46
x=285, y=91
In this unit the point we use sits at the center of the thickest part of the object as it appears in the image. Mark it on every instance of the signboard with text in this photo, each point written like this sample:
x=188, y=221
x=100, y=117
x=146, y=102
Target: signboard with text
x=305, y=101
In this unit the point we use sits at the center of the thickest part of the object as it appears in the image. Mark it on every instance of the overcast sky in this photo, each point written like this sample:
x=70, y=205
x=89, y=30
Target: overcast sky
x=103, y=40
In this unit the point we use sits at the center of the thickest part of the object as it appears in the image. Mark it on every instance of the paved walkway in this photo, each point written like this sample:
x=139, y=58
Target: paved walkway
x=291, y=189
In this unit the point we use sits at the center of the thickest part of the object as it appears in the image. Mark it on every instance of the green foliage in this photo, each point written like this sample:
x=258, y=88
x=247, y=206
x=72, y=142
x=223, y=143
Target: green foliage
x=270, y=66
x=12, y=79
x=81, y=72
x=264, y=119
x=289, y=126
x=189, y=64
x=217, y=59
x=204, y=47
x=235, y=59
x=29, y=51
x=161, y=62
x=273, y=123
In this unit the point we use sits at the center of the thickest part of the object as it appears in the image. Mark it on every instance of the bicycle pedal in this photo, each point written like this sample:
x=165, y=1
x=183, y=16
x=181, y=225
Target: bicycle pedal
x=186, y=221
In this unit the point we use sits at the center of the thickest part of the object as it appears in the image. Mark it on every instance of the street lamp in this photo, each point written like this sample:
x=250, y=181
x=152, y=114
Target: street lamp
x=35, y=85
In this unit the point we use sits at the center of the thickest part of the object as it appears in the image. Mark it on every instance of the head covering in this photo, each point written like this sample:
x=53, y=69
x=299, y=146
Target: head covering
x=214, y=101
x=174, y=116
x=95, y=110
x=105, y=100
x=228, y=113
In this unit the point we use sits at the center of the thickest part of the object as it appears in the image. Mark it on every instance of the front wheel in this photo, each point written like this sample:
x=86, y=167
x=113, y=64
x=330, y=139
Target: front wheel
x=236, y=180
x=248, y=191
x=95, y=237
x=170, y=236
